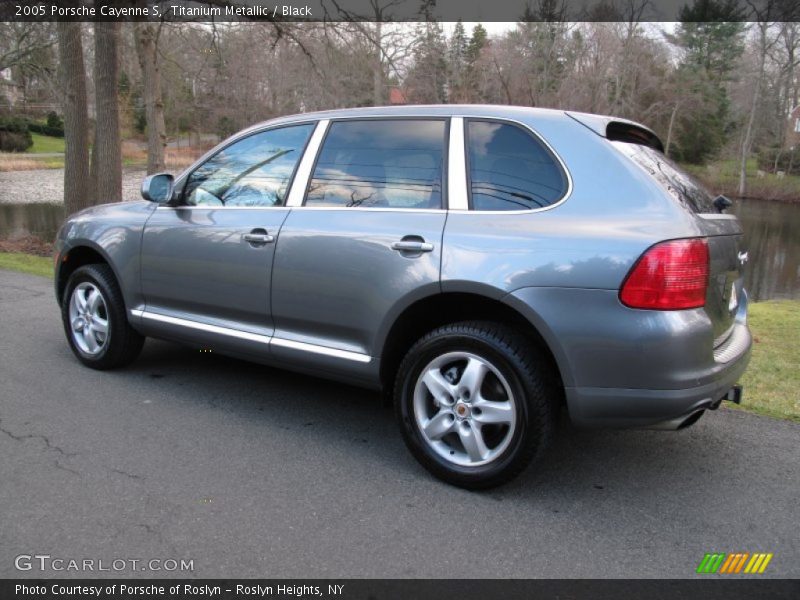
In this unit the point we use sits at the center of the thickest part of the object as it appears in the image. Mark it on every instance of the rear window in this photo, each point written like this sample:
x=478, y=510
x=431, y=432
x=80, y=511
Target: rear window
x=674, y=180
x=396, y=163
x=509, y=169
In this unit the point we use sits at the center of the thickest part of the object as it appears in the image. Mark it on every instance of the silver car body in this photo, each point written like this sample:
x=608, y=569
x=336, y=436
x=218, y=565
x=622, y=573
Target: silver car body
x=326, y=294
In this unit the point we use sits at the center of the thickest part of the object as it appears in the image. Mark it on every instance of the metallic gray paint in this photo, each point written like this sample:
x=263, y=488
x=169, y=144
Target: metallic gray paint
x=322, y=297
x=115, y=232
x=336, y=275
x=197, y=265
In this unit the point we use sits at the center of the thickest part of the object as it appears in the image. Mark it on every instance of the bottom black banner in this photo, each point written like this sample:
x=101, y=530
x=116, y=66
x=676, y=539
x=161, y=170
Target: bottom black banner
x=391, y=589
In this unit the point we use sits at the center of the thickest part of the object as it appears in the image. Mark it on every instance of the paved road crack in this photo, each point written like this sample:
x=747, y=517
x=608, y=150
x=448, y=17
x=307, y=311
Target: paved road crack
x=67, y=469
x=126, y=474
x=32, y=436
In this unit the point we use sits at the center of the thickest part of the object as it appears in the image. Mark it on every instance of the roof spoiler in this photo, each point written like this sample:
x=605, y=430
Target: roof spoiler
x=621, y=130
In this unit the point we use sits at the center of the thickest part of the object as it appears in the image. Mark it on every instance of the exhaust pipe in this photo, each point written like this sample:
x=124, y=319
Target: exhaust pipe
x=692, y=419
x=682, y=422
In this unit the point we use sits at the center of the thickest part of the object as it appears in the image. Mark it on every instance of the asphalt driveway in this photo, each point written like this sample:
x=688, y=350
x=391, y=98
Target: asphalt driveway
x=254, y=472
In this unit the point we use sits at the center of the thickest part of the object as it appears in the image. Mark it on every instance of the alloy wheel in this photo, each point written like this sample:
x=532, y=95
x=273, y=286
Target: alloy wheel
x=464, y=409
x=88, y=318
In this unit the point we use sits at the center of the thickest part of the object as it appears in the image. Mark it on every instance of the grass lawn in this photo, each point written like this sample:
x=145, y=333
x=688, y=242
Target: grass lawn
x=26, y=263
x=722, y=177
x=45, y=143
x=10, y=161
x=771, y=383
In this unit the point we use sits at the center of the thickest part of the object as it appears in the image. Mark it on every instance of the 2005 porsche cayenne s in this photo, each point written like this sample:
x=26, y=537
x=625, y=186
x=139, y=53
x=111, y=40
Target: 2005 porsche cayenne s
x=483, y=265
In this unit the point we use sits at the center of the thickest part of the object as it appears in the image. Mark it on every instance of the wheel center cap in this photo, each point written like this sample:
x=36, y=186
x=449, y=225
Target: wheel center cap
x=462, y=410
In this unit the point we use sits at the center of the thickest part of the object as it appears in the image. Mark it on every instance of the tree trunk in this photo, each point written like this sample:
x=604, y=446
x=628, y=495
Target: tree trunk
x=747, y=140
x=77, y=188
x=670, y=128
x=777, y=160
x=377, y=68
x=146, y=36
x=106, y=153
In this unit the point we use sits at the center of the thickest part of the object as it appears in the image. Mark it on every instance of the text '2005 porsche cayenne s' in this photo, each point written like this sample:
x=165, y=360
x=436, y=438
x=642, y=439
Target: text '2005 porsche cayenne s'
x=485, y=266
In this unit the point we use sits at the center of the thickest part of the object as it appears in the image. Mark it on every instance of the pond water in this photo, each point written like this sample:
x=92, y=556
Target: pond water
x=41, y=220
x=772, y=237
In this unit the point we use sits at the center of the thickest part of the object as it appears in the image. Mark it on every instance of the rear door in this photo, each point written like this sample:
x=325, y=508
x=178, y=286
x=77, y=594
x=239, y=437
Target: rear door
x=725, y=241
x=366, y=239
x=207, y=262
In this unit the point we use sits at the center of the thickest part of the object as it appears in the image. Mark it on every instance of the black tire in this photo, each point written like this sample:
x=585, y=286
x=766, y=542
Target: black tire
x=122, y=344
x=529, y=377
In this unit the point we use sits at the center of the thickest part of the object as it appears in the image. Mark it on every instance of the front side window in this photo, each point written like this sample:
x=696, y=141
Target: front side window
x=509, y=169
x=380, y=164
x=255, y=171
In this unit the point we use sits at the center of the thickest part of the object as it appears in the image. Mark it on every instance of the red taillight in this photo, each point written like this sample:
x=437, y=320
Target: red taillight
x=669, y=276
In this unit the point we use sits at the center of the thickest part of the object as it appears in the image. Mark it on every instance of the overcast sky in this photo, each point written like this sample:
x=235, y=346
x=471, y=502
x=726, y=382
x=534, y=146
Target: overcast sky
x=497, y=28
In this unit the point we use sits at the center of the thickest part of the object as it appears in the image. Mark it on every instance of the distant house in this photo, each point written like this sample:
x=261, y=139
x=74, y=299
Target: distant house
x=793, y=128
x=8, y=88
x=397, y=96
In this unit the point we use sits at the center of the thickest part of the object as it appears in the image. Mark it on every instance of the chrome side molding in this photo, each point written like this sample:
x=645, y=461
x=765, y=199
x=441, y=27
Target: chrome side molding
x=243, y=335
x=253, y=337
x=314, y=348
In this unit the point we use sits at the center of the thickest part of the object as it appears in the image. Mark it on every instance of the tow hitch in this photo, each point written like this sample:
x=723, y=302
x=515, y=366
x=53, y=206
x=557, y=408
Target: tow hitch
x=734, y=395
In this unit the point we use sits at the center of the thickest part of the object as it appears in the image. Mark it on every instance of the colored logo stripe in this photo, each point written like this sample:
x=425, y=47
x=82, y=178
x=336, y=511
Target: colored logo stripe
x=710, y=563
x=722, y=563
x=758, y=564
x=734, y=563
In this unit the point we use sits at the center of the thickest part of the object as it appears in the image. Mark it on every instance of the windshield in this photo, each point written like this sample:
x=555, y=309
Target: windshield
x=679, y=184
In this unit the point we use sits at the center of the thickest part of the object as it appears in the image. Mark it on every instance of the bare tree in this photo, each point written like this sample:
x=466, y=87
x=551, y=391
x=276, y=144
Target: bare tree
x=146, y=36
x=765, y=40
x=29, y=51
x=20, y=43
x=391, y=45
x=106, y=167
x=77, y=188
x=786, y=58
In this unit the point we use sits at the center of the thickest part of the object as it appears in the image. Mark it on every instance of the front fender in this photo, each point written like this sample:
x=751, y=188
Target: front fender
x=112, y=231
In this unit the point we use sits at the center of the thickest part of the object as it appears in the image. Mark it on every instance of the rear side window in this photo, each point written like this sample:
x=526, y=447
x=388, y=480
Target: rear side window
x=509, y=169
x=380, y=164
x=674, y=180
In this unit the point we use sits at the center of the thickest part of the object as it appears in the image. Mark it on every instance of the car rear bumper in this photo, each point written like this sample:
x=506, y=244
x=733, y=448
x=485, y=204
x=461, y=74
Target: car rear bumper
x=623, y=367
x=656, y=409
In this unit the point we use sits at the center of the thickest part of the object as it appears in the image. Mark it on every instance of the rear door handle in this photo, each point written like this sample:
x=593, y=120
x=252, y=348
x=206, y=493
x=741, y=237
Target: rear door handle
x=257, y=237
x=410, y=246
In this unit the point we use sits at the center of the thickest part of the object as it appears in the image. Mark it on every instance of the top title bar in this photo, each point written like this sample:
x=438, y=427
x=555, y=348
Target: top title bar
x=398, y=10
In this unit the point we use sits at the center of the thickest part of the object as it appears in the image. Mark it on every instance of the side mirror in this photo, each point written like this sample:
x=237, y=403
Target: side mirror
x=158, y=187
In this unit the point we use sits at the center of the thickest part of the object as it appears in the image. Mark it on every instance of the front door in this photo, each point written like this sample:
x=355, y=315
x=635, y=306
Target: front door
x=207, y=262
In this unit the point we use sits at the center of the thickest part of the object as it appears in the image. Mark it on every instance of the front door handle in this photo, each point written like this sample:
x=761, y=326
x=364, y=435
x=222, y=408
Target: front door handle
x=412, y=246
x=258, y=237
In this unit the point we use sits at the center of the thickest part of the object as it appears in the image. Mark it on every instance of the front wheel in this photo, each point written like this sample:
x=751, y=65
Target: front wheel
x=476, y=403
x=95, y=322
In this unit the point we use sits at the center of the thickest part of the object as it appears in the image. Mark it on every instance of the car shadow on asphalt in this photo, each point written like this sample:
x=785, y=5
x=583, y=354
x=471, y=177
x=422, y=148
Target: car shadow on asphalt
x=582, y=465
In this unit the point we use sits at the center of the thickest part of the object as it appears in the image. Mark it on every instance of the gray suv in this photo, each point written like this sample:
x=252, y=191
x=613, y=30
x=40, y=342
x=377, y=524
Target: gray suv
x=483, y=265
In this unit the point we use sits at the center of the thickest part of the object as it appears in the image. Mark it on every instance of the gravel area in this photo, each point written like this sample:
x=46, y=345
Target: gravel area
x=47, y=186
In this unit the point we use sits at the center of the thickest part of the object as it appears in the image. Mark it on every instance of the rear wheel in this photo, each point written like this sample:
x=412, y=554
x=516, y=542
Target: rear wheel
x=475, y=402
x=95, y=322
